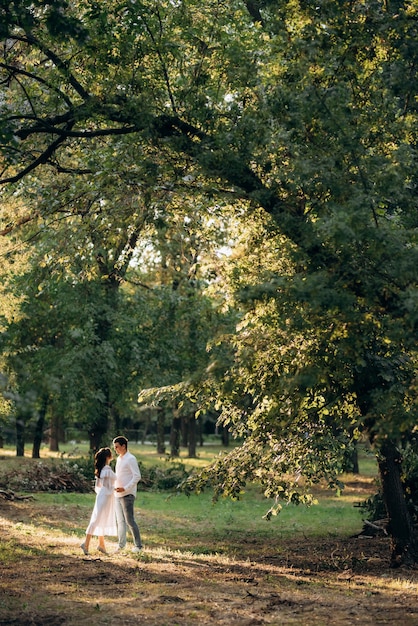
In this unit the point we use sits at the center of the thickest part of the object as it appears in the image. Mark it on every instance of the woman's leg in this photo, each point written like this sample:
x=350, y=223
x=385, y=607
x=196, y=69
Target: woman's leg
x=85, y=545
x=102, y=546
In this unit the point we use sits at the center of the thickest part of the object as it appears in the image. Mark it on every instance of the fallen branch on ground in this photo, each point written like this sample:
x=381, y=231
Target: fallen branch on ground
x=11, y=495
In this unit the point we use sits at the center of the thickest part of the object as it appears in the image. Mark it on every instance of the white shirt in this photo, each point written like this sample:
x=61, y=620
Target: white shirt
x=127, y=474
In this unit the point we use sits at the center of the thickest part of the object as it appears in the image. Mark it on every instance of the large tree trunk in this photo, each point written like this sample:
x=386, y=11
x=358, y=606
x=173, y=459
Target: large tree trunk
x=161, y=431
x=100, y=414
x=39, y=428
x=225, y=436
x=175, y=436
x=192, y=432
x=20, y=435
x=403, y=542
x=54, y=435
x=115, y=418
x=96, y=435
x=403, y=537
x=185, y=431
x=101, y=409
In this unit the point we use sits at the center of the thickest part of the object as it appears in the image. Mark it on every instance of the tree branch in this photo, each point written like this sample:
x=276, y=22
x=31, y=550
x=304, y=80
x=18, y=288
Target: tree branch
x=43, y=158
x=59, y=63
x=14, y=71
x=253, y=9
x=23, y=220
x=100, y=132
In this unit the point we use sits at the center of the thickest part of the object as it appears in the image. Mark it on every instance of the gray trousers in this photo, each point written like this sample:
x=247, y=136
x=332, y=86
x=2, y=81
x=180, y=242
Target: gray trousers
x=125, y=517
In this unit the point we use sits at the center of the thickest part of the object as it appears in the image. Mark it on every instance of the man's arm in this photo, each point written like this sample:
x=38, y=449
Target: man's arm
x=136, y=474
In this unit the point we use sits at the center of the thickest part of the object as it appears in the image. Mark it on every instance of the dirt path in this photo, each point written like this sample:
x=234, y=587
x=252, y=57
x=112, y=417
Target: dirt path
x=45, y=580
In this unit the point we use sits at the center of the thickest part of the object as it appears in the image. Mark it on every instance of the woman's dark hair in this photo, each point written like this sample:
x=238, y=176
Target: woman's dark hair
x=100, y=460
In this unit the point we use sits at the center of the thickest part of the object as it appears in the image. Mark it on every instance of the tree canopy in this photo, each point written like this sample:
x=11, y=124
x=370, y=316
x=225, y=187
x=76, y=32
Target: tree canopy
x=302, y=116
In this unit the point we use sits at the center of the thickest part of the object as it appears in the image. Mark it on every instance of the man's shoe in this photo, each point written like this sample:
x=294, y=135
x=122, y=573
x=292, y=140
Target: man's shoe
x=118, y=550
x=136, y=549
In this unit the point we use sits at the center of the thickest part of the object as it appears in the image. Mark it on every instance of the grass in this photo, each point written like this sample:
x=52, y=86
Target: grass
x=181, y=520
x=203, y=563
x=147, y=454
x=338, y=510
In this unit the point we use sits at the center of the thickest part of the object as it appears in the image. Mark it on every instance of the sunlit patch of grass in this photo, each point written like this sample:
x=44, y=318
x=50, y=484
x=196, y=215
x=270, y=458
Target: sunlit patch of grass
x=145, y=453
x=14, y=550
x=7, y=552
x=403, y=584
x=201, y=521
x=196, y=523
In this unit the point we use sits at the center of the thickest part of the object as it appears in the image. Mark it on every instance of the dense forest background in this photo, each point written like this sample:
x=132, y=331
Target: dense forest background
x=209, y=219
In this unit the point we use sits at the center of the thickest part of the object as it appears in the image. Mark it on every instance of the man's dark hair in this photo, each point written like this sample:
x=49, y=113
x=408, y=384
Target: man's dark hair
x=122, y=441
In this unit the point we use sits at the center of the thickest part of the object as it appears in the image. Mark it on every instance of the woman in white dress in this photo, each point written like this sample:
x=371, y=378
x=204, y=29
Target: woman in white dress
x=103, y=517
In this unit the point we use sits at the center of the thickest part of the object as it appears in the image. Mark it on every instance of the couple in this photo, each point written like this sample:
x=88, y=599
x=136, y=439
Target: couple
x=115, y=493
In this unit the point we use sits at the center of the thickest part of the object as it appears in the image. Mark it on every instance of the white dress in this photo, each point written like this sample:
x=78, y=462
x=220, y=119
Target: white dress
x=103, y=518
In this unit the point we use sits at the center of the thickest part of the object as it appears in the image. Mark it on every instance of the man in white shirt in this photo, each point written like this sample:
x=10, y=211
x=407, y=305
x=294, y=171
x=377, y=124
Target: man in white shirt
x=127, y=478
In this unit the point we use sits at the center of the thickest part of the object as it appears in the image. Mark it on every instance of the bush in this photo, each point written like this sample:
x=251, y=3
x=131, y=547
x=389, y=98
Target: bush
x=374, y=507
x=164, y=478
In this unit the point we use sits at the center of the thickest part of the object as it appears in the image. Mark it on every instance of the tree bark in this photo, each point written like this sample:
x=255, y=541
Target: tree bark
x=404, y=541
x=225, y=436
x=185, y=431
x=192, y=431
x=96, y=435
x=161, y=431
x=115, y=417
x=175, y=436
x=39, y=428
x=20, y=435
x=199, y=426
x=54, y=436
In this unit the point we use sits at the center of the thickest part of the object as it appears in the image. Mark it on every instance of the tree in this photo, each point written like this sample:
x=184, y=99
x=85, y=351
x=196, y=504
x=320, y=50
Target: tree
x=177, y=259
x=71, y=297
x=343, y=192
x=280, y=105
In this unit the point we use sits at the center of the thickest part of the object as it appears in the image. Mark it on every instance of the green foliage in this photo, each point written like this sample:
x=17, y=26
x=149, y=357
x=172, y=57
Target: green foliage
x=166, y=478
x=272, y=107
x=84, y=465
x=374, y=507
